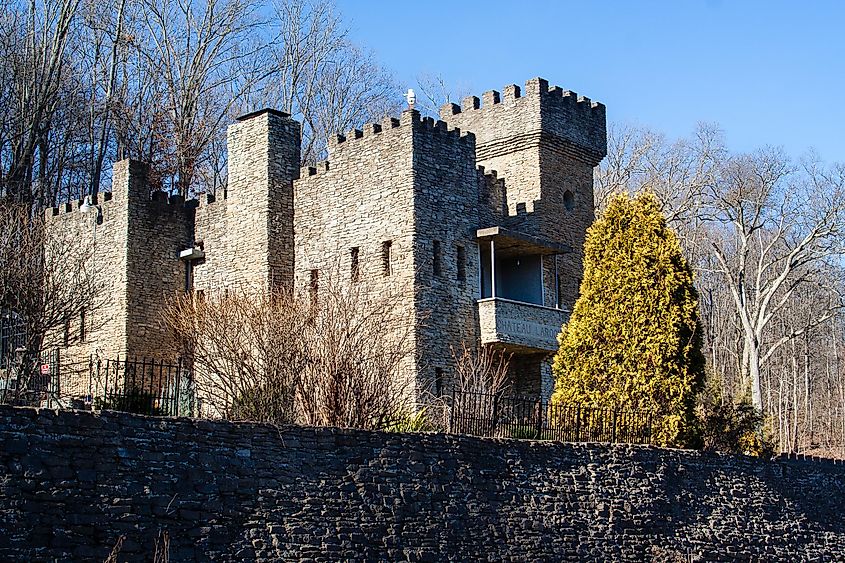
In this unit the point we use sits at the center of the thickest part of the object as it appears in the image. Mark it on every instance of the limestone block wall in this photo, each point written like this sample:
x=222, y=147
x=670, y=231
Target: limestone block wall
x=133, y=238
x=360, y=199
x=520, y=324
x=448, y=206
x=159, y=228
x=355, y=212
x=102, y=234
x=72, y=483
x=247, y=231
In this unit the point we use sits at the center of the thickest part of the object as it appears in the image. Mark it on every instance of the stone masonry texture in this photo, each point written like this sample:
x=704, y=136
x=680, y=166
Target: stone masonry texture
x=72, y=483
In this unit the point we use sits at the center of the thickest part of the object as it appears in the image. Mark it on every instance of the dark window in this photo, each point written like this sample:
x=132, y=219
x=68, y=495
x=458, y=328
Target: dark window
x=314, y=286
x=438, y=258
x=385, y=256
x=462, y=263
x=569, y=200
x=200, y=295
x=354, y=267
x=67, y=332
x=82, y=325
x=438, y=381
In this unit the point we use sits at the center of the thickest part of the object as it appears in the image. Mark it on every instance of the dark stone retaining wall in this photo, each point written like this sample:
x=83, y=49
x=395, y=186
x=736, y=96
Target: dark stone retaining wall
x=71, y=483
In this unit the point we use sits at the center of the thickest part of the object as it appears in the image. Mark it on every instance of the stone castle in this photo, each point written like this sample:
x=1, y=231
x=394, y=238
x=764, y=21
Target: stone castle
x=479, y=219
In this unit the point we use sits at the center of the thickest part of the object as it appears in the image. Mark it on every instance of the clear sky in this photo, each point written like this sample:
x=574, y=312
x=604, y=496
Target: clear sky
x=768, y=72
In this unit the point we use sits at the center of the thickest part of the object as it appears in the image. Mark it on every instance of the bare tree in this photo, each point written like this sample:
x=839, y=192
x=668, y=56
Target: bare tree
x=34, y=38
x=323, y=79
x=762, y=235
x=205, y=56
x=433, y=91
x=780, y=228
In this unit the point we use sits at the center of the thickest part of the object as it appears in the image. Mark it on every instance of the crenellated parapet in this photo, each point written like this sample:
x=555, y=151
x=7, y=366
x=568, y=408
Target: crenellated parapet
x=383, y=138
x=503, y=121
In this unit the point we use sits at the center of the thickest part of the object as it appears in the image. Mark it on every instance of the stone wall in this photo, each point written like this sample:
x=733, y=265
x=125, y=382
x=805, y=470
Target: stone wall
x=132, y=237
x=411, y=182
x=71, y=483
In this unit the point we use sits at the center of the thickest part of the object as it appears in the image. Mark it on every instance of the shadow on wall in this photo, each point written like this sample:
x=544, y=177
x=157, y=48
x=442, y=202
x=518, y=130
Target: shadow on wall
x=74, y=482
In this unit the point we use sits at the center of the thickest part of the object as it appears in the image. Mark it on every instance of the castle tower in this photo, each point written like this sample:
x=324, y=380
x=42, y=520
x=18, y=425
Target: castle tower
x=246, y=233
x=132, y=238
x=544, y=143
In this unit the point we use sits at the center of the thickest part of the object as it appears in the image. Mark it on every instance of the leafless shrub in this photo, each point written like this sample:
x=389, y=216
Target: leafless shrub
x=245, y=352
x=481, y=380
x=357, y=346
x=481, y=369
x=336, y=360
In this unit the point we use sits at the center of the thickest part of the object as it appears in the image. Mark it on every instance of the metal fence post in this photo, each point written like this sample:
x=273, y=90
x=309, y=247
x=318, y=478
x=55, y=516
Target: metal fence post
x=613, y=430
x=494, y=419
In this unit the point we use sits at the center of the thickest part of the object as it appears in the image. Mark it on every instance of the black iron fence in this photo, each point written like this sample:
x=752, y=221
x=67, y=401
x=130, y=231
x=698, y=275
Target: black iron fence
x=158, y=388
x=497, y=415
x=166, y=388
x=12, y=337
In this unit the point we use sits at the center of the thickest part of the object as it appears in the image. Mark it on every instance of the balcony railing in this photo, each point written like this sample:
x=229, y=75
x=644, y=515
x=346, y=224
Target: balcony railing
x=518, y=325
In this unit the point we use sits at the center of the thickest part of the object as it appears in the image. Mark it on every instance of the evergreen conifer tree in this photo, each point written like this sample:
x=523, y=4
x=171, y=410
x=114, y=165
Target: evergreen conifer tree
x=634, y=338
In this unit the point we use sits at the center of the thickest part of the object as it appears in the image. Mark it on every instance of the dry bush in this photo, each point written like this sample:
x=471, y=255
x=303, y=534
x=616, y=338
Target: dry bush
x=481, y=380
x=481, y=369
x=245, y=350
x=333, y=361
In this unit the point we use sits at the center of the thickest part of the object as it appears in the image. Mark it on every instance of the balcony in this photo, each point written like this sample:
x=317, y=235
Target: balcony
x=520, y=327
x=519, y=306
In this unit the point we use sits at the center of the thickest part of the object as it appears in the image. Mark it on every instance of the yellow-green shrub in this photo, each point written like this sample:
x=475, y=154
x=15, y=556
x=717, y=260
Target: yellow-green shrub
x=634, y=340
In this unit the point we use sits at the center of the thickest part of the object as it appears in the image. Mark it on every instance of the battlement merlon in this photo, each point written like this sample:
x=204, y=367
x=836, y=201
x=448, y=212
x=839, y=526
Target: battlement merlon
x=538, y=108
x=130, y=187
x=410, y=123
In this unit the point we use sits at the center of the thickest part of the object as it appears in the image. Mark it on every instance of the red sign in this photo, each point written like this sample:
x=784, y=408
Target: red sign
x=45, y=369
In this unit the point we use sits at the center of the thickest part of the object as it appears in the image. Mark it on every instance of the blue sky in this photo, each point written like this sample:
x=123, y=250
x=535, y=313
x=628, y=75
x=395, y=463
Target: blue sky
x=769, y=73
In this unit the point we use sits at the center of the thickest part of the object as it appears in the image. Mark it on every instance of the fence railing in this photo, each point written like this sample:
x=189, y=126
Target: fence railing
x=497, y=415
x=166, y=388
x=12, y=337
x=142, y=386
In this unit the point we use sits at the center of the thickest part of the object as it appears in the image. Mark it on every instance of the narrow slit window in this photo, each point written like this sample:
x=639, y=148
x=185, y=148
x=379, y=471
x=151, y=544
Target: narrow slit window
x=354, y=267
x=438, y=382
x=314, y=286
x=462, y=264
x=385, y=257
x=437, y=256
x=82, y=325
x=67, y=333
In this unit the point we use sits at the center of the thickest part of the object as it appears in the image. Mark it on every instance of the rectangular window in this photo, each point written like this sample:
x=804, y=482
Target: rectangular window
x=438, y=382
x=67, y=333
x=354, y=265
x=314, y=286
x=82, y=325
x=385, y=257
x=462, y=263
x=438, y=258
